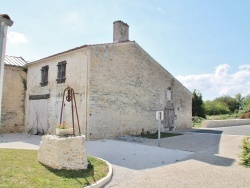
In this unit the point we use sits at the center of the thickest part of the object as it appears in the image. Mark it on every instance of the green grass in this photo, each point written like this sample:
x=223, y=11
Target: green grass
x=222, y=117
x=155, y=135
x=20, y=168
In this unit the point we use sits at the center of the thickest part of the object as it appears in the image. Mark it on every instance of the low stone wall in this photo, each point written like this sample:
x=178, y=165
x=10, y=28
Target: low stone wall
x=224, y=123
x=60, y=152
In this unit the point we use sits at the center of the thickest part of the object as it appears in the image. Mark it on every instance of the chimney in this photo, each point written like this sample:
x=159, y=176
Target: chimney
x=120, y=33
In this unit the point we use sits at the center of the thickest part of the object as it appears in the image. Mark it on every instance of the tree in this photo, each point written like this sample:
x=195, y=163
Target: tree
x=231, y=103
x=216, y=107
x=198, y=108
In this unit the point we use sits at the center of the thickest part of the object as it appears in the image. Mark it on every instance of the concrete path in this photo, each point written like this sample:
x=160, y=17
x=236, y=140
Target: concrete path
x=189, y=160
x=215, y=166
x=134, y=156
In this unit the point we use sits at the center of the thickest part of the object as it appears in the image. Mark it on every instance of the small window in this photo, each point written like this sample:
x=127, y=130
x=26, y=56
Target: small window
x=61, y=72
x=44, y=75
x=169, y=94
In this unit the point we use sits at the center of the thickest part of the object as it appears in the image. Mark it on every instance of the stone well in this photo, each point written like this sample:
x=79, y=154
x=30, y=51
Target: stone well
x=61, y=152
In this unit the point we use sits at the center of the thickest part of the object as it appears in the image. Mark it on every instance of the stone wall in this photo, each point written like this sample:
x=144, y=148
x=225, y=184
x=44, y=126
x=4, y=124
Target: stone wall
x=63, y=152
x=75, y=78
x=126, y=88
x=13, y=100
x=224, y=123
x=118, y=87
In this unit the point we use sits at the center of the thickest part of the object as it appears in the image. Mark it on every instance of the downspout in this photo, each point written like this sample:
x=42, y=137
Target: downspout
x=86, y=97
x=5, y=21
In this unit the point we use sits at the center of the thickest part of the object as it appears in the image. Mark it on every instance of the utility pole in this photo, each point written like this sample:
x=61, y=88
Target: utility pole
x=5, y=21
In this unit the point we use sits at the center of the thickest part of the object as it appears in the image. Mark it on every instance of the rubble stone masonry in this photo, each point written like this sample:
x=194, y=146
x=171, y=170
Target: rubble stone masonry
x=13, y=100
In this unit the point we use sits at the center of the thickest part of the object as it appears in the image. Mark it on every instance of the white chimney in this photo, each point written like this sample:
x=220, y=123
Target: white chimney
x=120, y=33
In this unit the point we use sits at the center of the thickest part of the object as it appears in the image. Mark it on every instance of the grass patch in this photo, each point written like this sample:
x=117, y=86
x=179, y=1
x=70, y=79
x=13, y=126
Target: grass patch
x=155, y=135
x=20, y=168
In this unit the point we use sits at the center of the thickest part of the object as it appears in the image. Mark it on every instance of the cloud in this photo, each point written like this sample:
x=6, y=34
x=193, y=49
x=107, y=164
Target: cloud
x=220, y=82
x=244, y=67
x=15, y=37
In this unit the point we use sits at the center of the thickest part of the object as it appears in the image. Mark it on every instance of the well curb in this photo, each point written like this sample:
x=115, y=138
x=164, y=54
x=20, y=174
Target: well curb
x=104, y=180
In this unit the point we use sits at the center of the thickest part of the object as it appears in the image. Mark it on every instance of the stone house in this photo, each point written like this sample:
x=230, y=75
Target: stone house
x=118, y=88
x=13, y=101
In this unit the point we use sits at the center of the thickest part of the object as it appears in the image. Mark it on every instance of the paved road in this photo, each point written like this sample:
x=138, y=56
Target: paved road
x=230, y=130
x=234, y=130
x=189, y=160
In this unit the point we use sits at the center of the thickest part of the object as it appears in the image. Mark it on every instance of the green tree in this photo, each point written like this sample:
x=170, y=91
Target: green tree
x=216, y=107
x=240, y=101
x=198, y=108
x=232, y=103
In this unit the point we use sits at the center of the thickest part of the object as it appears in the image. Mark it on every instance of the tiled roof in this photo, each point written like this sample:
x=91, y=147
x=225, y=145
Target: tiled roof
x=73, y=49
x=16, y=61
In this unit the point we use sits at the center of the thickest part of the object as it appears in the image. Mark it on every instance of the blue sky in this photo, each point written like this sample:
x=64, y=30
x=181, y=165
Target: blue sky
x=205, y=44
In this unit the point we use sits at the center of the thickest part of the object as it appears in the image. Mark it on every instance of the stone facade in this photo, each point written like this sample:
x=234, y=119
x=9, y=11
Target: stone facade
x=63, y=152
x=76, y=69
x=118, y=88
x=13, y=101
x=127, y=88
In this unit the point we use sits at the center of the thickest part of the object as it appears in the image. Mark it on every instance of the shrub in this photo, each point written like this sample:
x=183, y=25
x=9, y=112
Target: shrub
x=245, y=154
x=216, y=108
x=245, y=116
x=196, y=121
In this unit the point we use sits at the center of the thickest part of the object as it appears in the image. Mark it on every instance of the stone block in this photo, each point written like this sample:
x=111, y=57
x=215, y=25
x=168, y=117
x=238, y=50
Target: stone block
x=63, y=152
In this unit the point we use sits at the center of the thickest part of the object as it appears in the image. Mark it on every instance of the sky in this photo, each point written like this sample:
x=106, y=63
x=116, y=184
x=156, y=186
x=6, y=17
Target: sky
x=204, y=44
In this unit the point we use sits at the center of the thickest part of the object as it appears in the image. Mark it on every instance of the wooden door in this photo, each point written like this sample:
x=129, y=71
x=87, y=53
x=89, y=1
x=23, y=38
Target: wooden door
x=38, y=117
x=169, y=117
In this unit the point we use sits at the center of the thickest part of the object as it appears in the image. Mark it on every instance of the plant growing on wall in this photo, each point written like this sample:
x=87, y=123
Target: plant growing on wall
x=24, y=81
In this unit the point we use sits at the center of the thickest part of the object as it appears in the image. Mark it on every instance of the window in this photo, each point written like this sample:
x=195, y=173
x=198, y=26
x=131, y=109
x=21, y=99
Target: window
x=169, y=93
x=61, y=72
x=44, y=75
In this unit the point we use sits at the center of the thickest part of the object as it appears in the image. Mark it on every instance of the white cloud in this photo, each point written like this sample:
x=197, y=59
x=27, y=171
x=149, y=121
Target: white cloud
x=244, y=67
x=220, y=82
x=15, y=37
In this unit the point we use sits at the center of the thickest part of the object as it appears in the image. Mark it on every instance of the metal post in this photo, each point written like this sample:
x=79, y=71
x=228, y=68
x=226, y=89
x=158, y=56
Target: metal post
x=159, y=116
x=159, y=133
x=5, y=21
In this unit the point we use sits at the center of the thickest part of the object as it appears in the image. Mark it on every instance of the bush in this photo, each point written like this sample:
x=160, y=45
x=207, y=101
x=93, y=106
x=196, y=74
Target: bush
x=245, y=155
x=216, y=108
x=196, y=121
x=245, y=116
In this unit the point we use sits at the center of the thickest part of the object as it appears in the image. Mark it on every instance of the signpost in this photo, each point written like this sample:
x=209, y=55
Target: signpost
x=159, y=117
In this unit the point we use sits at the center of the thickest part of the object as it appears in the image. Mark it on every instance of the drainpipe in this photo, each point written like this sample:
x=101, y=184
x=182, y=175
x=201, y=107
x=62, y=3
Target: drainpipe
x=5, y=21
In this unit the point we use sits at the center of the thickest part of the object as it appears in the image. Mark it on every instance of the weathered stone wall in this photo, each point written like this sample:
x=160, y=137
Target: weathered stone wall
x=63, y=152
x=224, y=123
x=126, y=88
x=13, y=100
x=75, y=78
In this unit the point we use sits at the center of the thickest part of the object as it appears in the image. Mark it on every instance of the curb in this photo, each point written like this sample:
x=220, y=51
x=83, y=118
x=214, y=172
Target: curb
x=104, y=180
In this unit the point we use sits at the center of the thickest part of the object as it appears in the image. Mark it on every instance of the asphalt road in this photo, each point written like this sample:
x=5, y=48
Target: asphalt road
x=242, y=130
